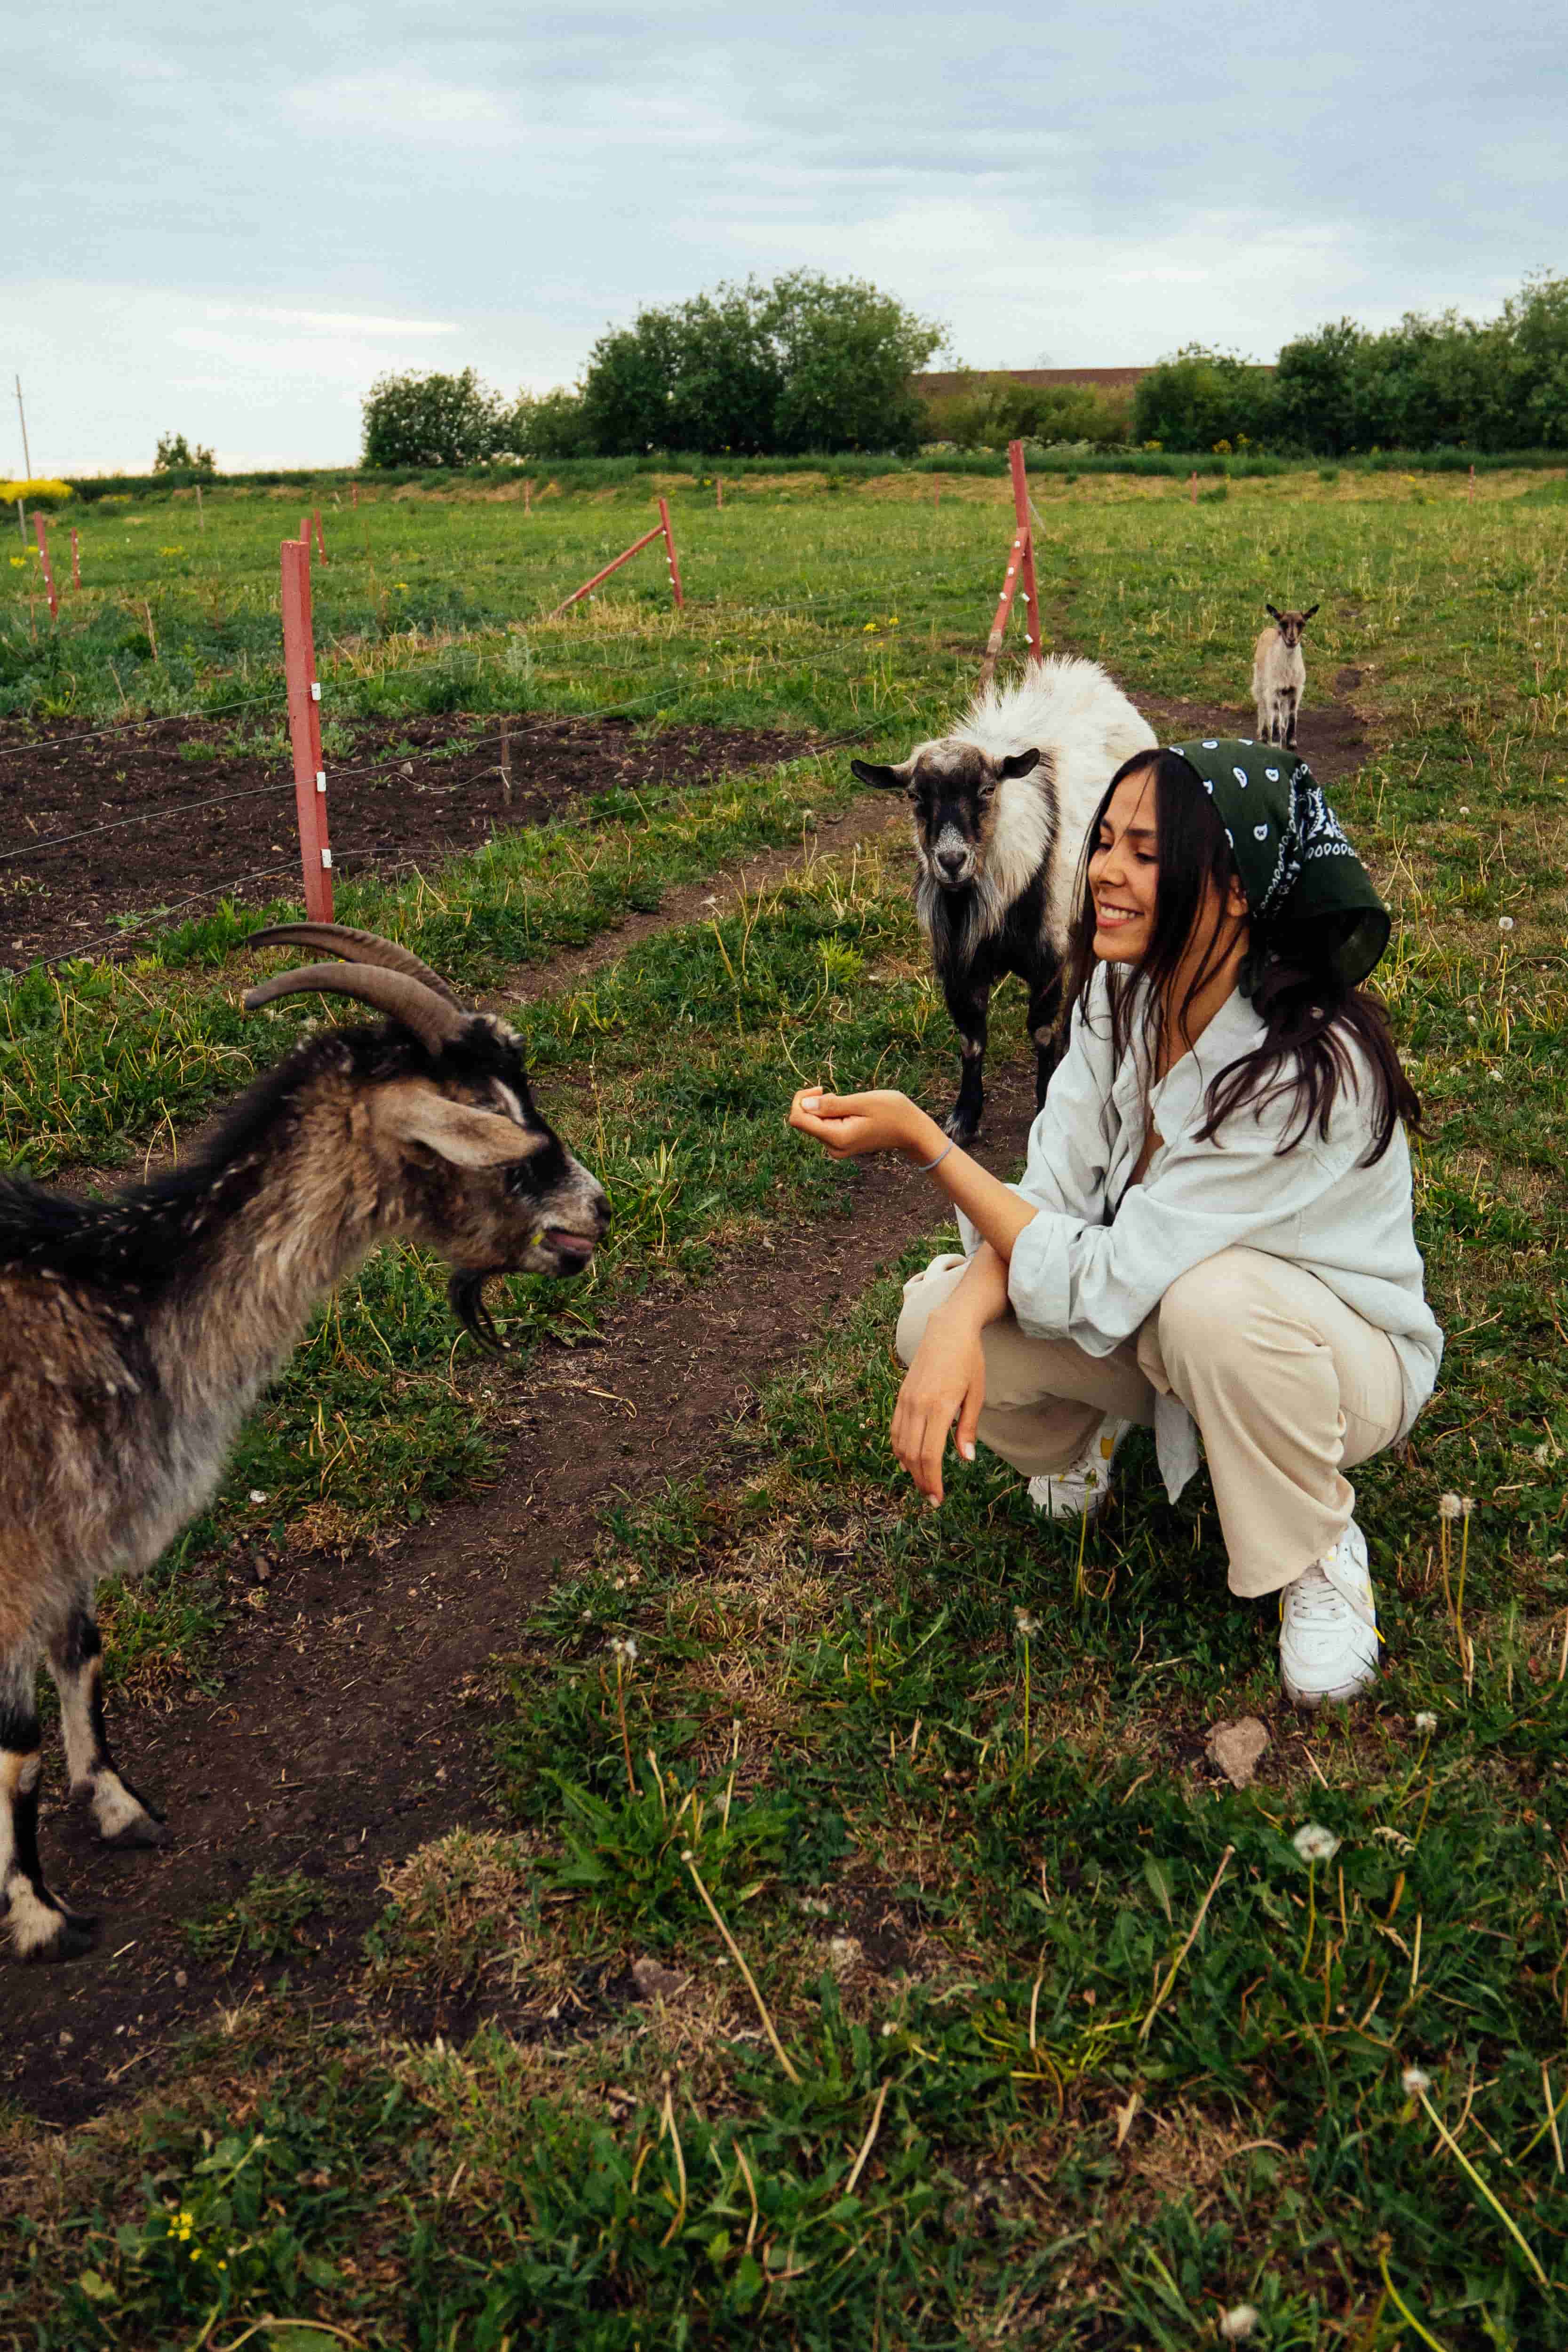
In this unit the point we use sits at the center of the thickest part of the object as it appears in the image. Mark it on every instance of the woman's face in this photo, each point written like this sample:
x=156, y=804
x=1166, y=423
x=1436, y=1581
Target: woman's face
x=1124, y=879
x=1124, y=871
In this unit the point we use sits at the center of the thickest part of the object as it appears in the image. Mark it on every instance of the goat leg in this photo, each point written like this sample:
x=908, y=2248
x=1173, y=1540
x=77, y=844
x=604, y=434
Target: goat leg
x=968, y=1001
x=121, y=1817
x=1045, y=1004
x=1292, y=701
x=41, y=1928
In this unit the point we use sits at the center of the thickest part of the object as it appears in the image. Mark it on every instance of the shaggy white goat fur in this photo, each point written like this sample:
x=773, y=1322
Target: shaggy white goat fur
x=1074, y=713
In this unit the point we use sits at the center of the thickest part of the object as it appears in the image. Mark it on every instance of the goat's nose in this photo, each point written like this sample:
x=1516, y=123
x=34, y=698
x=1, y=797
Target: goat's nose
x=950, y=861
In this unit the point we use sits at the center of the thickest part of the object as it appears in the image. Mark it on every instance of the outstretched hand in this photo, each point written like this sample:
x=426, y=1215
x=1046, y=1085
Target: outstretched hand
x=849, y=1126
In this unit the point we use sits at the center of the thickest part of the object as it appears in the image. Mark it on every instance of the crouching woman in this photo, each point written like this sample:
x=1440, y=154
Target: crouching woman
x=1213, y=1232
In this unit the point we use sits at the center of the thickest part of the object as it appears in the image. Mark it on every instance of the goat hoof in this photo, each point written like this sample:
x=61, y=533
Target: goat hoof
x=133, y=1837
x=48, y=1932
x=962, y=1131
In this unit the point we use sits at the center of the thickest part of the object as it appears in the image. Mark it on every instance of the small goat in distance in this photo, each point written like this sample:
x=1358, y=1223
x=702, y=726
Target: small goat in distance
x=142, y=1330
x=1279, y=676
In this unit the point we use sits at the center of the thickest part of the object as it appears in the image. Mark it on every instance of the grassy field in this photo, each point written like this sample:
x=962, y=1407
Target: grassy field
x=1021, y=2025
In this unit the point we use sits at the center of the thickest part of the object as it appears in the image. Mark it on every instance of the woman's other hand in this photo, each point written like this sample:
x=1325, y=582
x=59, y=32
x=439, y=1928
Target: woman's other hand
x=849, y=1126
x=945, y=1383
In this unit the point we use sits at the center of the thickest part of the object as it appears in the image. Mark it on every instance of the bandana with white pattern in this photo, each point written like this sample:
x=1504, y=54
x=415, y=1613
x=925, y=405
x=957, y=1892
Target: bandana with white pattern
x=1296, y=865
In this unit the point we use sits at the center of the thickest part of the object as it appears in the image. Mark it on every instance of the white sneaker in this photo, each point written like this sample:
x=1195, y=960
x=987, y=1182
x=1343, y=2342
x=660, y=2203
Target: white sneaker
x=1080, y=1491
x=1328, y=1627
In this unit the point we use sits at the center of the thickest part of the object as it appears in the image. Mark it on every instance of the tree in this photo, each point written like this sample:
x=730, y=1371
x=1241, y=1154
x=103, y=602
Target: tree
x=175, y=456
x=848, y=353
x=1317, y=387
x=432, y=420
x=1199, y=398
x=551, y=424
x=806, y=364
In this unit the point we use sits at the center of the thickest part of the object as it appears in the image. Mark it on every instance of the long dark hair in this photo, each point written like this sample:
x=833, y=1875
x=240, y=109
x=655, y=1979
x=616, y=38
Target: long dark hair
x=1312, y=1019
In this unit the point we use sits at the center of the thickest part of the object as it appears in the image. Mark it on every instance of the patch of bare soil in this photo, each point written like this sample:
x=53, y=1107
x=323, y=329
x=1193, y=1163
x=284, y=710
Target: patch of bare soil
x=1329, y=736
x=99, y=832
x=350, y=1700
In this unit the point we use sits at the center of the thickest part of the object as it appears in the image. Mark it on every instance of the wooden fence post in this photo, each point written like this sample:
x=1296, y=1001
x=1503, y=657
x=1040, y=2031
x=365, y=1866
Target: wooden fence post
x=670, y=556
x=201, y=511
x=1472, y=484
x=76, y=563
x=719, y=489
x=320, y=542
x=354, y=492
x=305, y=730
x=1020, y=572
x=1193, y=486
x=527, y=497
x=41, y=533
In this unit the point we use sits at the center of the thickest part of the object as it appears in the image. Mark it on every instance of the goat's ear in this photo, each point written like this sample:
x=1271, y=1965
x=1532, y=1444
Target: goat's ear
x=1308, y=613
x=468, y=1137
x=1019, y=764
x=884, y=780
x=1272, y=611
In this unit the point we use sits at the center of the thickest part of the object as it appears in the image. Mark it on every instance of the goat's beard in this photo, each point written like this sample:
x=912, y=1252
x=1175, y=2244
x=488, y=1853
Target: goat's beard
x=465, y=1298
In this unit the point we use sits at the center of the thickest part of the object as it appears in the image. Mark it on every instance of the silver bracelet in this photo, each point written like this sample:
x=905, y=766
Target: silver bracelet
x=924, y=1167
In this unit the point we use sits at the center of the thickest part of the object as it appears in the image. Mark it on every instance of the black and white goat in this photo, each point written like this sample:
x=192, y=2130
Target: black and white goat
x=142, y=1330
x=1000, y=807
x=1279, y=676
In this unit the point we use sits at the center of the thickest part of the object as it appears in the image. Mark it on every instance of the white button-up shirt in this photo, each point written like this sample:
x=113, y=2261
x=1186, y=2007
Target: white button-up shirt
x=1076, y=1274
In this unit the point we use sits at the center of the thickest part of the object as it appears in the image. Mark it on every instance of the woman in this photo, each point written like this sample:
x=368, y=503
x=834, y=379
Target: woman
x=1214, y=1224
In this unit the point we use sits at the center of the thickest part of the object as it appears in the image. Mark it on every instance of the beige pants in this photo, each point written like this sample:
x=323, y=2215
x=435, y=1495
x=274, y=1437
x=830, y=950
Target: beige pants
x=1284, y=1383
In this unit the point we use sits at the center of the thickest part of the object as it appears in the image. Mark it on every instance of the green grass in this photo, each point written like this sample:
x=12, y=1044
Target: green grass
x=961, y=1864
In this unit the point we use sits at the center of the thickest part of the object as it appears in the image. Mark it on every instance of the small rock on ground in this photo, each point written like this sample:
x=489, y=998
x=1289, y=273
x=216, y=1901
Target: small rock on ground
x=1238, y=1748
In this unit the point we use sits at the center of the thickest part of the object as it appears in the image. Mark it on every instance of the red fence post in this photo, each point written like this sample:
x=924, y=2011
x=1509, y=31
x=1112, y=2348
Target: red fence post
x=41, y=533
x=305, y=730
x=354, y=492
x=528, y=497
x=1026, y=568
x=1193, y=486
x=719, y=487
x=76, y=565
x=670, y=554
x=1020, y=572
x=320, y=542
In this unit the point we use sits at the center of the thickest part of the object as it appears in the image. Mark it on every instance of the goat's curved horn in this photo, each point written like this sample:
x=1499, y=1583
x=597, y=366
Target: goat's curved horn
x=354, y=947
x=433, y=1020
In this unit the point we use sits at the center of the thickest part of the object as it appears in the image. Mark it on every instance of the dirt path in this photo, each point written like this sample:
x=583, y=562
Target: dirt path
x=353, y=1703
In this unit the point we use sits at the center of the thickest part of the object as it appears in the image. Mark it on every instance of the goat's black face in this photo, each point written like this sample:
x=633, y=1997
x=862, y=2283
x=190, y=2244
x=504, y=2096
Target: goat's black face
x=494, y=1188
x=951, y=789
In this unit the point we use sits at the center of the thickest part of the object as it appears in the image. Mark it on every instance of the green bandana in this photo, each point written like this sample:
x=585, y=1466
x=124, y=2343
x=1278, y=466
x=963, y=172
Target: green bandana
x=1298, y=871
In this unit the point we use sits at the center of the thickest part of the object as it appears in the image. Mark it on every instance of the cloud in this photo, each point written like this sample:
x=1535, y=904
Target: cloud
x=402, y=103
x=338, y=322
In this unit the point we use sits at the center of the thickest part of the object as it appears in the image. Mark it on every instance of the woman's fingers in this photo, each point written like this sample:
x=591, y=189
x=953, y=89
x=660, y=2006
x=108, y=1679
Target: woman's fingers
x=969, y=1414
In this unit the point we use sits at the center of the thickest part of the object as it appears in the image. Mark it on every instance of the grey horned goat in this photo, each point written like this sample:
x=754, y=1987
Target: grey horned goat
x=1279, y=676
x=140, y=1330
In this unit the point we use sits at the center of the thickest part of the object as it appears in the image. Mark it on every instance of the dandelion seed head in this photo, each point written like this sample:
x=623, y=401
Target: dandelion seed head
x=624, y=1647
x=687, y=1854
x=1313, y=1842
x=1505, y=922
x=1237, y=2324
x=1448, y=1507
x=1466, y=1505
x=256, y=1495
x=1427, y=1722
x=1416, y=2080
x=1025, y=1626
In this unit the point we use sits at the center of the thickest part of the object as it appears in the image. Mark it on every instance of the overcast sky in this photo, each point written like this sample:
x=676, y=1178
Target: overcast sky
x=228, y=220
